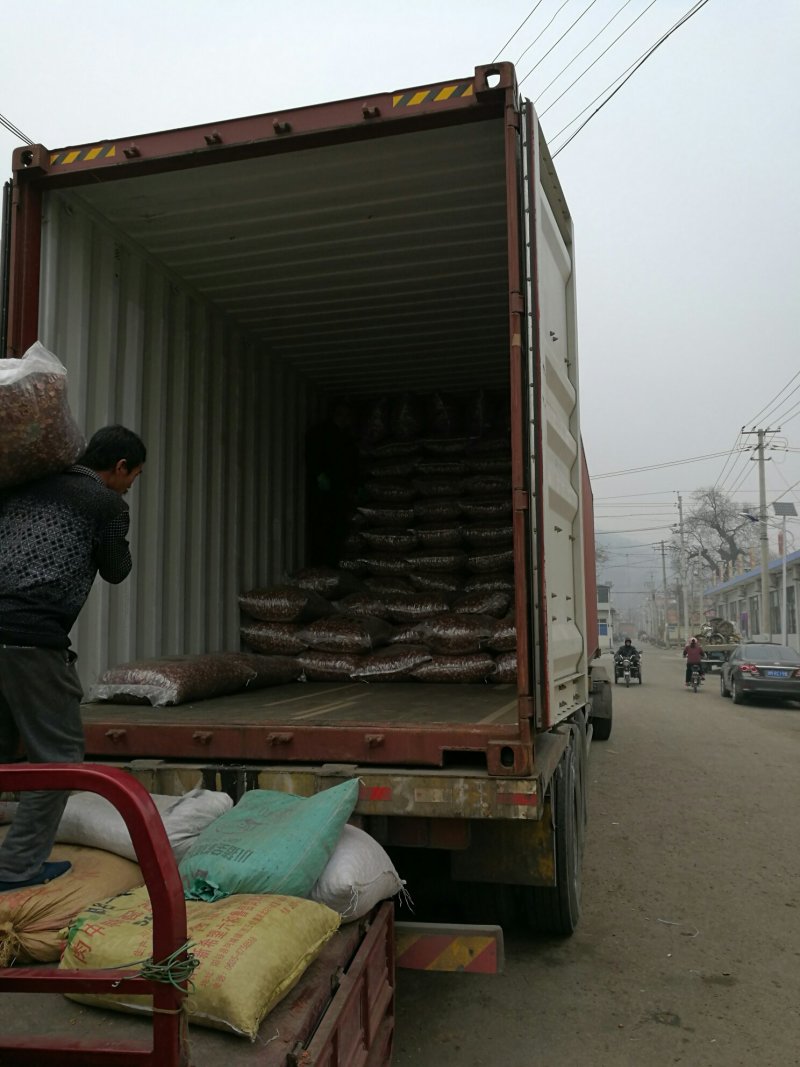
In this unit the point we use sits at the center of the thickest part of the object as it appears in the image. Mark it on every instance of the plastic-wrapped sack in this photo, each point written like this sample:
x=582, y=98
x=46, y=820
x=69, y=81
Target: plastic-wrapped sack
x=436, y=582
x=252, y=950
x=354, y=564
x=436, y=511
x=329, y=582
x=354, y=542
x=494, y=510
x=270, y=842
x=406, y=607
x=394, y=450
x=432, y=535
x=483, y=534
x=495, y=604
x=32, y=920
x=388, y=540
x=394, y=515
x=328, y=666
x=269, y=670
x=499, y=464
x=465, y=668
x=437, y=559
x=368, y=605
x=388, y=583
x=93, y=822
x=504, y=639
x=358, y=876
x=488, y=485
x=389, y=492
x=479, y=413
x=445, y=446
x=449, y=634
x=400, y=467
x=496, y=559
x=386, y=563
x=505, y=669
x=273, y=637
x=284, y=603
x=439, y=487
x=39, y=435
x=405, y=417
x=496, y=443
x=341, y=634
x=391, y=664
x=441, y=467
x=176, y=679
x=493, y=582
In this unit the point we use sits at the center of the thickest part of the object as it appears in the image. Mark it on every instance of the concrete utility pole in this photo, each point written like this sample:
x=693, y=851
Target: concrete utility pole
x=765, y=622
x=684, y=582
x=666, y=602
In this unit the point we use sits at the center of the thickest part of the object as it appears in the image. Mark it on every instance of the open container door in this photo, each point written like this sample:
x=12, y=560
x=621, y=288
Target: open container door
x=557, y=564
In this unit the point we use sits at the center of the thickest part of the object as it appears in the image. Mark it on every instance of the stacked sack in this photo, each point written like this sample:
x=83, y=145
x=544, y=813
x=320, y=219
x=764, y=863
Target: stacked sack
x=425, y=588
x=267, y=885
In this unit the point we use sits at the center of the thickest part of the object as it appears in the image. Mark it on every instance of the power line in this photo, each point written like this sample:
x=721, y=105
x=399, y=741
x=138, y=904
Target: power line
x=659, y=466
x=13, y=129
x=560, y=39
x=516, y=31
x=594, y=61
x=547, y=27
x=758, y=414
x=577, y=54
x=627, y=75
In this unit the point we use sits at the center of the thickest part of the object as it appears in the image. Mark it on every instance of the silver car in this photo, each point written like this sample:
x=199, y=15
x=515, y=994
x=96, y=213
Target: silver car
x=759, y=668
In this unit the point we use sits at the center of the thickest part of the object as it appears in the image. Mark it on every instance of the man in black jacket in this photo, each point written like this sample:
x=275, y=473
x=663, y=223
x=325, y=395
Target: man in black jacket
x=56, y=535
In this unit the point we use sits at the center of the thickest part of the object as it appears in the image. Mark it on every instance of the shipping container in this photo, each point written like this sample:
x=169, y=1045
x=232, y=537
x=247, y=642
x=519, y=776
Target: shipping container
x=217, y=288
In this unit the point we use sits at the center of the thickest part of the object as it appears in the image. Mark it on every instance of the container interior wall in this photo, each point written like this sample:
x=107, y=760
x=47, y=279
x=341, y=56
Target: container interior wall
x=219, y=506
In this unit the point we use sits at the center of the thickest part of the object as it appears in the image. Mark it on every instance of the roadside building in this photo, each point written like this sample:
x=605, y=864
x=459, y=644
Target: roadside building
x=738, y=600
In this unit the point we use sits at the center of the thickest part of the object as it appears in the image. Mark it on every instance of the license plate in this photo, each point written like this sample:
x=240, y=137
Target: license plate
x=777, y=674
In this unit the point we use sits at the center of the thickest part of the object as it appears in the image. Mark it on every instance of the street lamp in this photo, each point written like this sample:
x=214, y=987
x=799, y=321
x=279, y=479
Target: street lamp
x=783, y=509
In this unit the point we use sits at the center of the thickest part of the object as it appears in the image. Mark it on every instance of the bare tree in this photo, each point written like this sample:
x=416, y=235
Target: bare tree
x=717, y=532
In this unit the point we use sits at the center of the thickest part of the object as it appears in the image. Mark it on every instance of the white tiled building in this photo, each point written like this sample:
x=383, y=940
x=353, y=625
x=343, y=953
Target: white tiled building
x=605, y=622
x=739, y=601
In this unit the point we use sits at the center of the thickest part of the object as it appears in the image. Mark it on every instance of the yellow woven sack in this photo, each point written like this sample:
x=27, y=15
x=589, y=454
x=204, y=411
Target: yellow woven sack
x=32, y=920
x=252, y=950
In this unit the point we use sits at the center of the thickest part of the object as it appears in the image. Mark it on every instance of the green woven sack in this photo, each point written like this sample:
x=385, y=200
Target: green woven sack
x=269, y=842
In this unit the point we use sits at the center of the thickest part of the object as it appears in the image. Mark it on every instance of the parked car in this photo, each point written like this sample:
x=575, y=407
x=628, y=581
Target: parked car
x=760, y=668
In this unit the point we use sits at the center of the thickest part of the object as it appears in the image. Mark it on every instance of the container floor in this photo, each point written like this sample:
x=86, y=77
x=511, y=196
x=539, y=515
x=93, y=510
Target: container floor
x=331, y=703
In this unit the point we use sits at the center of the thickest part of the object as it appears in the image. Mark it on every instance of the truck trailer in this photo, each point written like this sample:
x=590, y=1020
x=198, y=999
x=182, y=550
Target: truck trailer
x=217, y=288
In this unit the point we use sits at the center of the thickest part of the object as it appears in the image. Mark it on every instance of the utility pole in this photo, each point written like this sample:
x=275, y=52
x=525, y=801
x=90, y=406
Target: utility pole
x=664, y=575
x=765, y=621
x=684, y=583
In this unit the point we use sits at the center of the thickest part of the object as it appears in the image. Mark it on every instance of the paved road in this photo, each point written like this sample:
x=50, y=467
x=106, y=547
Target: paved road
x=688, y=950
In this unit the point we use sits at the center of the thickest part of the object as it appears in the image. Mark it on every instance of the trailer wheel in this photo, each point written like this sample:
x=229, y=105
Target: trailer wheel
x=556, y=909
x=601, y=725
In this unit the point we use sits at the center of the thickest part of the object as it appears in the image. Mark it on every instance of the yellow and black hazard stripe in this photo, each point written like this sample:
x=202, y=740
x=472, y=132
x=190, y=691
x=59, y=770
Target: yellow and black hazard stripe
x=415, y=97
x=82, y=155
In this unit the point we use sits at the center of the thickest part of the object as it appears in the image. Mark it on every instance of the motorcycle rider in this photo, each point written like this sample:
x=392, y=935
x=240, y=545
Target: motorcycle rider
x=629, y=651
x=694, y=654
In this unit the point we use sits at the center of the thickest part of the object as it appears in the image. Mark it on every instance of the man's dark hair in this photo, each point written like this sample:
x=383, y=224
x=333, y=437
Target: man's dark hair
x=111, y=444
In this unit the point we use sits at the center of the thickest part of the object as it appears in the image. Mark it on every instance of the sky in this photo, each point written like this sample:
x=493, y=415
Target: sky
x=683, y=188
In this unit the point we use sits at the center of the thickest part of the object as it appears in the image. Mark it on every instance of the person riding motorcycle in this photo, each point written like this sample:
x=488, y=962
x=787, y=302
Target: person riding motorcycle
x=629, y=651
x=694, y=654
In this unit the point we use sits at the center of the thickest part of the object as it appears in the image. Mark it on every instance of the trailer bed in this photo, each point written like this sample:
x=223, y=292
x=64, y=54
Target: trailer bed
x=394, y=723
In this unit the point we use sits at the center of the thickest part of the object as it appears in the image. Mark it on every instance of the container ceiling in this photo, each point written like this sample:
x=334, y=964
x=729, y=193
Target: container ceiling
x=369, y=265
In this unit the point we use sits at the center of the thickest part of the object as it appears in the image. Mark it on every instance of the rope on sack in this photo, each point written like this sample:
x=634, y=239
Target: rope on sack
x=10, y=944
x=171, y=971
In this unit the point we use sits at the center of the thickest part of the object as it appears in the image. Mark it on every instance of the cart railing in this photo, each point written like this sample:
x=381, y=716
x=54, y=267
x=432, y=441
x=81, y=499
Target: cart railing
x=160, y=874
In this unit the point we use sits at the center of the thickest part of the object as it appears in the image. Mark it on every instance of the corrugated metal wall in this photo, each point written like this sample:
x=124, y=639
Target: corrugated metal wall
x=220, y=506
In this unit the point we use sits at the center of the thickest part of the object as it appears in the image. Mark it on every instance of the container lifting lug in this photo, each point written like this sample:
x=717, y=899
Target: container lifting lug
x=280, y=739
x=213, y=138
x=202, y=737
x=116, y=735
x=370, y=111
x=373, y=740
x=281, y=127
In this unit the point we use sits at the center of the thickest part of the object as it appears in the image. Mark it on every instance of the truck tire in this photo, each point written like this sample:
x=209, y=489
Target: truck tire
x=601, y=725
x=555, y=910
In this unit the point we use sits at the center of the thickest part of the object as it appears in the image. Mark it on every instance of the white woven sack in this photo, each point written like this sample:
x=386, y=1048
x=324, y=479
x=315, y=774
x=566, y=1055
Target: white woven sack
x=358, y=876
x=93, y=821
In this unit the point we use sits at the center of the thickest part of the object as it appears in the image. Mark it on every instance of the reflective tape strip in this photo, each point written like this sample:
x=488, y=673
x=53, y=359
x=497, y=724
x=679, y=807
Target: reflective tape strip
x=375, y=792
x=66, y=156
x=415, y=97
x=443, y=952
x=517, y=798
